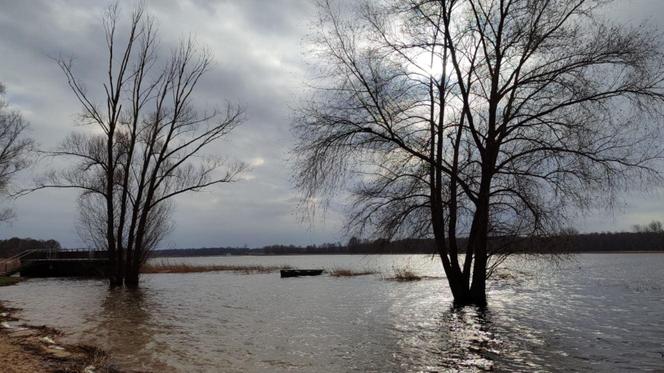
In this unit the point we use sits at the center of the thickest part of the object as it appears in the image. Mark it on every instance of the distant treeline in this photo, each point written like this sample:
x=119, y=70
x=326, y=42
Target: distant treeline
x=17, y=245
x=364, y=247
x=569, y=243
x=593, y=242
x=578, y=243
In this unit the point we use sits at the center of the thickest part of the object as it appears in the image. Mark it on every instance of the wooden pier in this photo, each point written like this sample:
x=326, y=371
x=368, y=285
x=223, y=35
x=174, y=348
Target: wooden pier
x=50, y=263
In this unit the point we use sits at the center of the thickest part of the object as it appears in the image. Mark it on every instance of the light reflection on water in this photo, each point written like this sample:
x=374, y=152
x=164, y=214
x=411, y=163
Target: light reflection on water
x=597, y=312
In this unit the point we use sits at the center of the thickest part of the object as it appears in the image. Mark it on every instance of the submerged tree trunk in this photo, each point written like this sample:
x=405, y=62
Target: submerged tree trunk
x=463, y=291
x=132, y=277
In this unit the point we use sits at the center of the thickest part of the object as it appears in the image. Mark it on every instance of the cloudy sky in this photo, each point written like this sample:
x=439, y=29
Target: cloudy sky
x=258, y=46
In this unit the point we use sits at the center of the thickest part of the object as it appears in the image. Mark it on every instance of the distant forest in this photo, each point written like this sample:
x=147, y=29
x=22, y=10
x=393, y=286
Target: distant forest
x=575, y=243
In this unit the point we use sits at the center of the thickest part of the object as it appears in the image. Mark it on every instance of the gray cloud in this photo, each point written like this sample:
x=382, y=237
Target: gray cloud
x=258, y=48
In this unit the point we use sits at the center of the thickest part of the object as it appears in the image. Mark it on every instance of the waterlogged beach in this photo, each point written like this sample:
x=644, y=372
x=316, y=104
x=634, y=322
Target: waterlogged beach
x=28, y=348
x=593, y=312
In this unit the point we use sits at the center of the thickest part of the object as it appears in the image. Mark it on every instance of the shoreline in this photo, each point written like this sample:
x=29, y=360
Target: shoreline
x=28, y=348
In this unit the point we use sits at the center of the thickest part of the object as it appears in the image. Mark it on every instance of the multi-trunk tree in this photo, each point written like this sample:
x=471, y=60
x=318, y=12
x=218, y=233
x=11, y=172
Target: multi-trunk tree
x=478, y=118
x=145, y=143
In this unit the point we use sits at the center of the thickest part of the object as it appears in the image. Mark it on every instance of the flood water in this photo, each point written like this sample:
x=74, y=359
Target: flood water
x=595, y=312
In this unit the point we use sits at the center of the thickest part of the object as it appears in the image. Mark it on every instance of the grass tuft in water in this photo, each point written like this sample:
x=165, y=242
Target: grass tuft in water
x=342, y=272
x=405, y=274
x=6, y=281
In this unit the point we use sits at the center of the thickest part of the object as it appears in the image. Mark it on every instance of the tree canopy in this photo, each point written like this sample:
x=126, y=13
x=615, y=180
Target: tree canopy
x=478, y=118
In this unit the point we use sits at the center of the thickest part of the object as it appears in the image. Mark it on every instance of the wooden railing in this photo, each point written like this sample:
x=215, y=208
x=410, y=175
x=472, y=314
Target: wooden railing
x=15, y=263
x=11, y=265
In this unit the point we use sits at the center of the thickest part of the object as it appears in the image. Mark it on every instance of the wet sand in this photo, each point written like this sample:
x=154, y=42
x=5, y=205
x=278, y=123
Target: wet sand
x=15, y=359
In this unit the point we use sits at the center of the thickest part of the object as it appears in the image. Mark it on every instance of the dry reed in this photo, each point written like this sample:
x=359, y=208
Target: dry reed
x=342, y=272
x=167, y=267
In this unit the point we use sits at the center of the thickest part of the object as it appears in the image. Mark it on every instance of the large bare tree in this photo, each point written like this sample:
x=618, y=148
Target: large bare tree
x=145, y=146
x=478, y=118
x=15, y=148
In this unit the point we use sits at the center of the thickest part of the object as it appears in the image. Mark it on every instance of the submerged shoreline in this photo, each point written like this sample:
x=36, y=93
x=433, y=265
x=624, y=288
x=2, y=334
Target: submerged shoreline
x=27, y=348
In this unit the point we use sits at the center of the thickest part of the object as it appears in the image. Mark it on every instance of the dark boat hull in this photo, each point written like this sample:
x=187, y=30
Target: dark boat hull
x=300, y=272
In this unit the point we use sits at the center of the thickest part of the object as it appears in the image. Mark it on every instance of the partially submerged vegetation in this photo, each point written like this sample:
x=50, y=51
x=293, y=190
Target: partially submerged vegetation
x=343, y=272
x=405, y=274
x=166, y=267
x=6, y=281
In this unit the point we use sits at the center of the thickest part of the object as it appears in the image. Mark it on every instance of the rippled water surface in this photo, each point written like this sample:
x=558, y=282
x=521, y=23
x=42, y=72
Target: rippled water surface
x=595, y=312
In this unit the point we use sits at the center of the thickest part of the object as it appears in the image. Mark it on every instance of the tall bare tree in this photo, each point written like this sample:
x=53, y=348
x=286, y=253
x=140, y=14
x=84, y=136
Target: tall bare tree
x=478, y=118
x=146, y=145
x=15, y=148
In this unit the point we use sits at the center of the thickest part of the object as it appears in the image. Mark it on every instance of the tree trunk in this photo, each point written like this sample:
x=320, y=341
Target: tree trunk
x=132, y=278
x=113, y=277
x=477, y=293
x=480, y=240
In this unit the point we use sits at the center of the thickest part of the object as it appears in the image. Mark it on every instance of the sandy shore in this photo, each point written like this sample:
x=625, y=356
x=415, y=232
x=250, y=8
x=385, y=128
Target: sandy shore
x=14, y=359
x=25, y=348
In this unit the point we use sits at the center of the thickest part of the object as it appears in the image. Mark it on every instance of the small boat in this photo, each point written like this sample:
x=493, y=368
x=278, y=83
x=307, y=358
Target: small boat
x=300, y=272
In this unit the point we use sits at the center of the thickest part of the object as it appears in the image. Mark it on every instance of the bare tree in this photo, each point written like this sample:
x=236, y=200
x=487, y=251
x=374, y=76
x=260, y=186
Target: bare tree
x=146, y=145
x=15, y=148
x=481, y=118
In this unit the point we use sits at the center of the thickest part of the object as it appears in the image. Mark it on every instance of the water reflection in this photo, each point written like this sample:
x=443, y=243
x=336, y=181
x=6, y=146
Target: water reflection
x=587, y=316
x=451, y=339
x=472, y=341
x=125, y=325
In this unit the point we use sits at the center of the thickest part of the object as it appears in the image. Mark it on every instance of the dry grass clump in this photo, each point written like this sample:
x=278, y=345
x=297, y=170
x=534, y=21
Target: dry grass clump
x=342, y=272
x=405, y=274
x=503, y=276
x=166, y=267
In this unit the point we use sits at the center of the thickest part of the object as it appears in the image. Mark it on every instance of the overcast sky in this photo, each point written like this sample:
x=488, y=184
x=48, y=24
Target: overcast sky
x=258, y=46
